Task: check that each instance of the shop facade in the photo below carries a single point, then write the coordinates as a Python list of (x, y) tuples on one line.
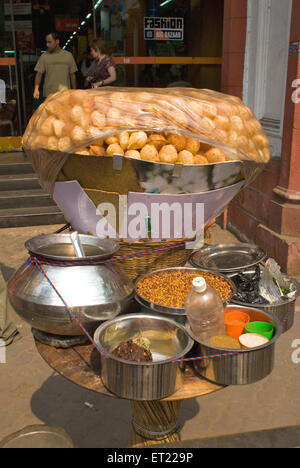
[(261, 66), (183, 45)]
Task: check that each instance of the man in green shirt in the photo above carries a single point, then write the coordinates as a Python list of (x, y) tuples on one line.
[(59, 68)]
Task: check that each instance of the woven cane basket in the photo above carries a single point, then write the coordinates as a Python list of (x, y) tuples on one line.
[(139, 265)]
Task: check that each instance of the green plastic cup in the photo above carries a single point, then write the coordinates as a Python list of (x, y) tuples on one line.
[(266, 329)]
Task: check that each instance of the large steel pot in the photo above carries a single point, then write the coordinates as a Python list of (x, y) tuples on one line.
[(149, 380), (242, 368), (94, 292)]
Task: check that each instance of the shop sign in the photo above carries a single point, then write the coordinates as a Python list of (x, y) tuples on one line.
[(18, 25), (66, 24), (163, 29), (18, 8)]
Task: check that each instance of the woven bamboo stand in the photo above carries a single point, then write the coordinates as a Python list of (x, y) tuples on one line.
[(137, 266), (154, 422)]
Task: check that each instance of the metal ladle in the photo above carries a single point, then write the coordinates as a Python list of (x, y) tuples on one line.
[(77, 245)]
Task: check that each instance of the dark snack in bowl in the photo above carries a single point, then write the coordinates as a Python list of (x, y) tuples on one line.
[(131, 351), (247, 286)]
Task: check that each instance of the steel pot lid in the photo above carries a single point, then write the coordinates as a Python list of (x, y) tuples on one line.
[(59, 247), (228, 257)]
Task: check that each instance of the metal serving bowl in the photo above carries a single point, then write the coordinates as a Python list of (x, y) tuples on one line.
[(243, 368), (151, 177), (173, 311), (143, 381), (227, 258), (283, 311)]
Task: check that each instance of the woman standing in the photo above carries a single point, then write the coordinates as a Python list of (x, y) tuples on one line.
[(104, 72)]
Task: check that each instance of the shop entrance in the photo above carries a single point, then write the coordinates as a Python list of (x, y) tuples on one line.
[(154, 43), (164, 43)]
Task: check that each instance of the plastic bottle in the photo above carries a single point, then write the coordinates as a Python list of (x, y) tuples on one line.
[(205, 311)]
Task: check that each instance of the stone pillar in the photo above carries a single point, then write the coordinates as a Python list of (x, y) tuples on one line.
[(234, 43), (284, 214), (283, 227)]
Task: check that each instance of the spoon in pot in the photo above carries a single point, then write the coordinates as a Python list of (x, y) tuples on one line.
[(77, 245)]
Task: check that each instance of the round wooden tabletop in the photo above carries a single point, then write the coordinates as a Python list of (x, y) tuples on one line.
[(81, 365)]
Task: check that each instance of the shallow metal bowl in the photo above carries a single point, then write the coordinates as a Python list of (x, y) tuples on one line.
[(154, 177), (169, 341), (228, 257), (173, 310), (38, 436), (245, 367)]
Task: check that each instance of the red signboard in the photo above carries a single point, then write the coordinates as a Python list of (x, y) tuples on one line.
[(66, 24)]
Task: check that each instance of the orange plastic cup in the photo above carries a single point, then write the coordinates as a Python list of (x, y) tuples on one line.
[(235, 323)]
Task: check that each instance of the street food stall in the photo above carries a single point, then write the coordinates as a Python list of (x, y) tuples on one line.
[(108, 306)]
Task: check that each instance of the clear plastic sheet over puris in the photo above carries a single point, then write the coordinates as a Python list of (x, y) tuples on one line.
[(169, 126)]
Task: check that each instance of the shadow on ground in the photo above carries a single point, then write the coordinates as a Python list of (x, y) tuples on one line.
[(6, 271), (90, 419)]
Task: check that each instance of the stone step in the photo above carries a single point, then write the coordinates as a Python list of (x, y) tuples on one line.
[(24, 199), (32, 216), (13, 157), (16, 168), (11, 182)]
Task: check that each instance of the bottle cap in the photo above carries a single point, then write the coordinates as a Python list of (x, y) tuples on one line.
[(199, 284)]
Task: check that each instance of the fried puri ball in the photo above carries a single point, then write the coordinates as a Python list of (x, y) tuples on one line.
[(113, 117), (77, 114), (215, 155), (179, 141), (55, 108), (94, 132), (137, 140), (193, 146), (96, 150), (129, 121), (168, 154), (114, 149), (149, 153), (237, 123), (124, 140), (58, 127), (98, 119), (222, 122), (209, 110), (41, 142), (64, 144), (200, 159), (158, 140), (83, 151), (52, 143), (78, 135), (185, 157), (111, 139), (261, 140), (207, 125), (47, 128), (134, 154)]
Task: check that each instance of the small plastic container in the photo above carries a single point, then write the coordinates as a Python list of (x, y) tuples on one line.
[(261, 328), (235, 323), (252, 340), (205, 311)]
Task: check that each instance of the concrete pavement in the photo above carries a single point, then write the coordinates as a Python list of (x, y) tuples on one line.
[(31, 393)]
